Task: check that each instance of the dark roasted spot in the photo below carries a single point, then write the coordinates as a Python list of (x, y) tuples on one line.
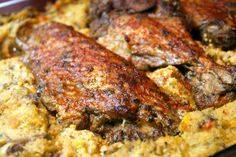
[(66, 55), (121, 77), (53, 113), (109, 91), (89, 68), (126, 63), (139, 17), (91, 95), (63, 33), (118, 136), (144, 107), (64, 64), (231, 6), (15, 148), (134, 82), (136, 101), (40, 90), (47, 70), (165, 32), (171, 44), (121, 109), (78, 64), (82, 41), (126, 37), (37, 63)]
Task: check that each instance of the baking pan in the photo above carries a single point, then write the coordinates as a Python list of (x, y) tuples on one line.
[(228, 152), (10, 6)]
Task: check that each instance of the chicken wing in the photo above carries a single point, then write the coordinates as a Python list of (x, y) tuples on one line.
[(215, 19), (155, 41), (93, 88)]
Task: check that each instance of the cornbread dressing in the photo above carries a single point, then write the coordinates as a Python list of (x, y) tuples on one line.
[(28, 129)]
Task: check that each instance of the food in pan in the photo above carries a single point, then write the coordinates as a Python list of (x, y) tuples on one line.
[(91, 87), (116, 78), (158, 41), (215, 20), (23, 119), (203, 132)]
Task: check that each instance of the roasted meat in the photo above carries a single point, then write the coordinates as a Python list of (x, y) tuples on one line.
[(98, 6), (150, 42), (168, 7), (214, 19), (93, 88), (153, 42)]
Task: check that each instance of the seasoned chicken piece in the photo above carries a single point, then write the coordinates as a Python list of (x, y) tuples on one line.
[(98, 7), (215, 19), (152, 42), (155, 41), (93, 88)]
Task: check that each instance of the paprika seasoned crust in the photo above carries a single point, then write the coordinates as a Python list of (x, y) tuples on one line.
[(154, 41), (214, 19), (93, 88)]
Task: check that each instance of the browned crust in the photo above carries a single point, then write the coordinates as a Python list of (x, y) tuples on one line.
[(80, 78)]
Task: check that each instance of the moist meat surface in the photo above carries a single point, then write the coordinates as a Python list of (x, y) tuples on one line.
[(215, 19), (95, 89), (155, 41)]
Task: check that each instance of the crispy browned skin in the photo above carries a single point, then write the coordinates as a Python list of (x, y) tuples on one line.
[(215, 19), (95, 89), (156, 41)]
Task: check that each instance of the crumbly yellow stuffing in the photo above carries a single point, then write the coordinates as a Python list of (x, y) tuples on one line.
[(23, 120), (76, 143), (219, 56), (70, 12), (172, 82), (117, 44), (203, 134)]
